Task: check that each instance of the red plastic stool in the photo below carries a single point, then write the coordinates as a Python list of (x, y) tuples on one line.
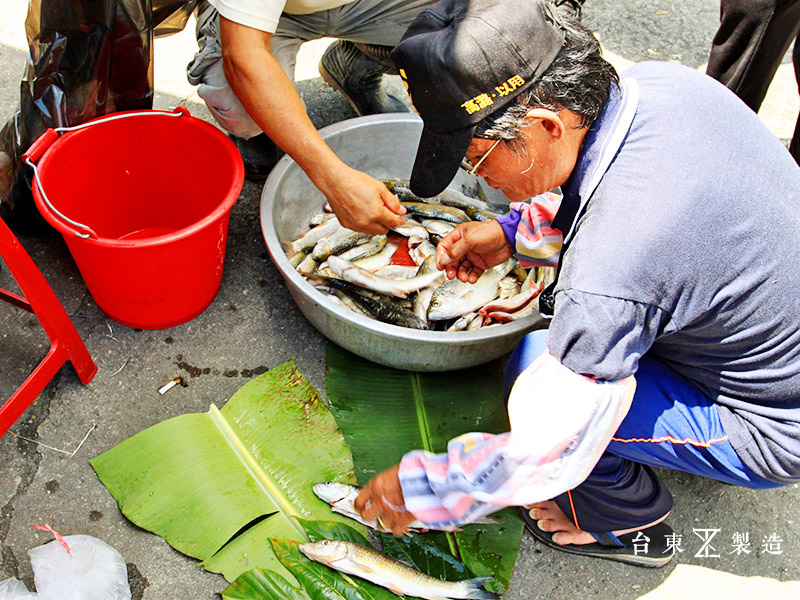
[(65, 343)]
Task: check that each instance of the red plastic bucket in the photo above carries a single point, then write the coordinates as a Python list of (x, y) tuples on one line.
[(143, 201)]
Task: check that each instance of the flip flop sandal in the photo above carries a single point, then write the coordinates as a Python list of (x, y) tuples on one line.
[(654, 552)]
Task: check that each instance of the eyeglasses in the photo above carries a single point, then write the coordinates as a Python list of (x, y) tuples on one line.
[(469, 167)]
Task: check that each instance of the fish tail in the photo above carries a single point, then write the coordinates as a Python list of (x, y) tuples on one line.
[(476, 589)]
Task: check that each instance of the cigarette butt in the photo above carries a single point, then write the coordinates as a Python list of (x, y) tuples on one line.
[(168, 386)]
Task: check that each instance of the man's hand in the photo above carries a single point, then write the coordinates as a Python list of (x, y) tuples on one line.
[(382, 498), (360, 202), (471, 248)]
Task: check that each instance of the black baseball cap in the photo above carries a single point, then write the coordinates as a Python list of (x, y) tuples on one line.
[(462, 60)]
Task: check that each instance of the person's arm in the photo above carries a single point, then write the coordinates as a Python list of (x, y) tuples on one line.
[(561, 423), (360, 202)]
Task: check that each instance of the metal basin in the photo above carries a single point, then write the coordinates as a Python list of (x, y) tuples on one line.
[(383, 146)]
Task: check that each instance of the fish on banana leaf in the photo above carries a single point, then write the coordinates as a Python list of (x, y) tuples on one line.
[(387, 572), (341, 497)]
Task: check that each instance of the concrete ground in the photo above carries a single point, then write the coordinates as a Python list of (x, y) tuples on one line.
[(254, 325)]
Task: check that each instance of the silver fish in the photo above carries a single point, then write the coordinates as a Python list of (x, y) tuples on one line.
[(421, 251), (392, 574), (509, 286), (422, 299), (464, 321), (307, 265), (377, 306), (297, 258), (341, 497), (455, 298), (399, 288), (320, 218), (396, 272), (410, 228), (437, 227), (437, 211), (369, 248), (381, 259), (312, 236), (339, 241)]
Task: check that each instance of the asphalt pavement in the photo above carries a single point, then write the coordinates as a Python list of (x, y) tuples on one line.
[(734, 543)]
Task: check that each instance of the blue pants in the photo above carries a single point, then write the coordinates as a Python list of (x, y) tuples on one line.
[(670, 424)]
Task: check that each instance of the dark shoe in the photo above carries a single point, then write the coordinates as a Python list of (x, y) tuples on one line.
[(573, 6), (259, 155), (653, 552), (359, 77)]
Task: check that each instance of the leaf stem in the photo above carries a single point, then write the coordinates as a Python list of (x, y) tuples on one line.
[(425, 435), (259, 475)]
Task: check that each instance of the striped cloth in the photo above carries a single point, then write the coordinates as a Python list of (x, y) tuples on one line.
[(561, 423), (528, 229)]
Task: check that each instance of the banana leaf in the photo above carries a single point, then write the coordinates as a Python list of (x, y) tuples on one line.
[(215, 486), (323, 583), (385, 412)]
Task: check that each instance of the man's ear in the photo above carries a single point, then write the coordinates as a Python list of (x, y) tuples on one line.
[(549, 120)]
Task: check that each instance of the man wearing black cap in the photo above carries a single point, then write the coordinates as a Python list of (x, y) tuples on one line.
[(673, 340)]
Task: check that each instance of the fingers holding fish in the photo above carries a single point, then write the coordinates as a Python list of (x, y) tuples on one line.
[(382, 500), (477, 244), (362, 203)]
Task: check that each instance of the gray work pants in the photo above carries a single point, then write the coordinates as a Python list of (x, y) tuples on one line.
[(380, 22)]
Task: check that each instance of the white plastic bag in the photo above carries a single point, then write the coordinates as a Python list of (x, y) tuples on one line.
[(12, 589), (93, 571)]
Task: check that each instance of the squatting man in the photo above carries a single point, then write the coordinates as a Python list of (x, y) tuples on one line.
[(673, 340)]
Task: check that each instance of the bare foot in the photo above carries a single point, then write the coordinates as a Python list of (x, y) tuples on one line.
[(549, 517)]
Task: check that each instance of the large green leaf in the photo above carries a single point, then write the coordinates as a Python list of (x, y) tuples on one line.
[(217, 485), (260, 583), (323, 583), (385, 412)]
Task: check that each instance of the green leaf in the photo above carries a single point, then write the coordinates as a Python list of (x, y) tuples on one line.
[(201, 481), (332, 530), (428, 553), (260, 583), (322, 582), (385, 412)]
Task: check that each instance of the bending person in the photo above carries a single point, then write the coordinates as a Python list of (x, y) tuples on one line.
[(673, 340), (245, 70)]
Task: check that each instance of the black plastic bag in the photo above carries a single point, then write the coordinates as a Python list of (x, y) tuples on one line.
[(87, 58)]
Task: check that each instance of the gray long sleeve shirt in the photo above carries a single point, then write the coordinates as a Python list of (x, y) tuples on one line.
[(688, 249)]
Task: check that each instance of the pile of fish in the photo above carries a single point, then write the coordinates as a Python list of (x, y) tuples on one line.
[(393, 278)]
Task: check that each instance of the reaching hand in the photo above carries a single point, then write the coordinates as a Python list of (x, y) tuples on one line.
[(382, 498), (362, 203), (471, 248)]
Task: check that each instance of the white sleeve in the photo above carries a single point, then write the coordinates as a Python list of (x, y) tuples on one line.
[(258, 14), (561, 423)]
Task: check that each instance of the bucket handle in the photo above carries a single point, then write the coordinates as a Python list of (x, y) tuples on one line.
[(40, 146)]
